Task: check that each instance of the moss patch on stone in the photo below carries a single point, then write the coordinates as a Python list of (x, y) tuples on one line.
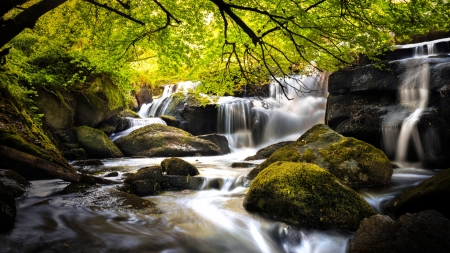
[(96, 143), (352, 161), (432, 193), (307, 195)]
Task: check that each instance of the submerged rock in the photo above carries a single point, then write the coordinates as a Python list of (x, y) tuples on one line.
[(430, 194), (242, 165), (268, 151), (426, 231), (307, 195), (96, 143), (178, 167), (352, 161), (162, 141)]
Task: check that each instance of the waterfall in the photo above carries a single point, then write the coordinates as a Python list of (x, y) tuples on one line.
[(413, 94), (427, 48), (136, 123), (284, 115)]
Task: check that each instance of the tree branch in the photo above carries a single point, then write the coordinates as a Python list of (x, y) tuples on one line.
[(104, 6), (314, 5)]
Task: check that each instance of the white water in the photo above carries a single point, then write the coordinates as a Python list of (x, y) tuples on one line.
[(424, 48), (250, 122), (413, 95), (136, 123)]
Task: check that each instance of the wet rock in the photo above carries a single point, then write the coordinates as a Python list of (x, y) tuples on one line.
[(95, 180), (426, 231), (430, 194), (77, 188), (101, 101), (307, 195), (57, 108), (268, 151), (164, 141), (144, 96), (362, 98), (7, 210), (171, 120), (96, 143), (121, 122), (88, 162), (352, 161), (183, 182), (178, 167), (74, 154), (199, 120), (220, 140), (112, 174), (242, 165), (146, 181), (13, 183)]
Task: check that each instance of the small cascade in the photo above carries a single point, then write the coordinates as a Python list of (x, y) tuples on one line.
[(428, 48), (226, 184), (136, 123), (250, 122), (413, 94)]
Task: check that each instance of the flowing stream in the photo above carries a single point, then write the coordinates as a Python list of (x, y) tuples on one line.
[(211, 219)]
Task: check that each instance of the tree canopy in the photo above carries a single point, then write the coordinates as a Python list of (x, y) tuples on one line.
[(225, 44)]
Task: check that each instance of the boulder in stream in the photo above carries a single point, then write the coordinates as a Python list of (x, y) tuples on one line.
[(426, 231), (268, 151), (146, 181), (220, 140), (305, 194), (96, 143), (352, 161), (178, 167), (430, 194), (164, 141)]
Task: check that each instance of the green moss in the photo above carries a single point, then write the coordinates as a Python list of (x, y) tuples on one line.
[(306, 195), (104, 94), (15, 141), (96, 143), (128, 113)]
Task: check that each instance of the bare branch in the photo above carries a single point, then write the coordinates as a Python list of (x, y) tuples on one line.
[(314, 5), (104, 6)]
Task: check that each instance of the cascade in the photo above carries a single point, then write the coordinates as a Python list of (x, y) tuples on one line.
[(427, 48), (250, 122), (135, 123), (413, 94)]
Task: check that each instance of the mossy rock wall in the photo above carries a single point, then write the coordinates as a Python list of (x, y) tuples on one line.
[(432, 193), (307, 195), (96, 143), (57, 108), (352, 161), (164, 141)]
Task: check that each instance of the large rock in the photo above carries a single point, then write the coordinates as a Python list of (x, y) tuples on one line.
[(146, 181), (7, 210), (178, 167), (307, 195), (364, 99), (164, 141), (268, 151), (352, 161), (101, 101), (96, 143), (13, 183), (430, 194), (426, 231), (57, 108), (220, 140)]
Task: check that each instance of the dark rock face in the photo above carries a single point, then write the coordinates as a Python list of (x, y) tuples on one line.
[(178, 167), (96, 143), (352, 161), (147, 181), (57, 107), (13, 183), (306, 195), (200, 120), (7, 210), (426, 231), (430, 194), (220, 140), (164, 141), (361, 99), (144, 96), (268, 151)]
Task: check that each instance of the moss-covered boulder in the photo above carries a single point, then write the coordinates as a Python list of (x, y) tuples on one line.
[(432, 193), (157, 140), (178, 167), (268, 151), (307, 195), (146, 181), (99, 101), (96, 144), (352, 161), (57, 108), (426, 231)]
